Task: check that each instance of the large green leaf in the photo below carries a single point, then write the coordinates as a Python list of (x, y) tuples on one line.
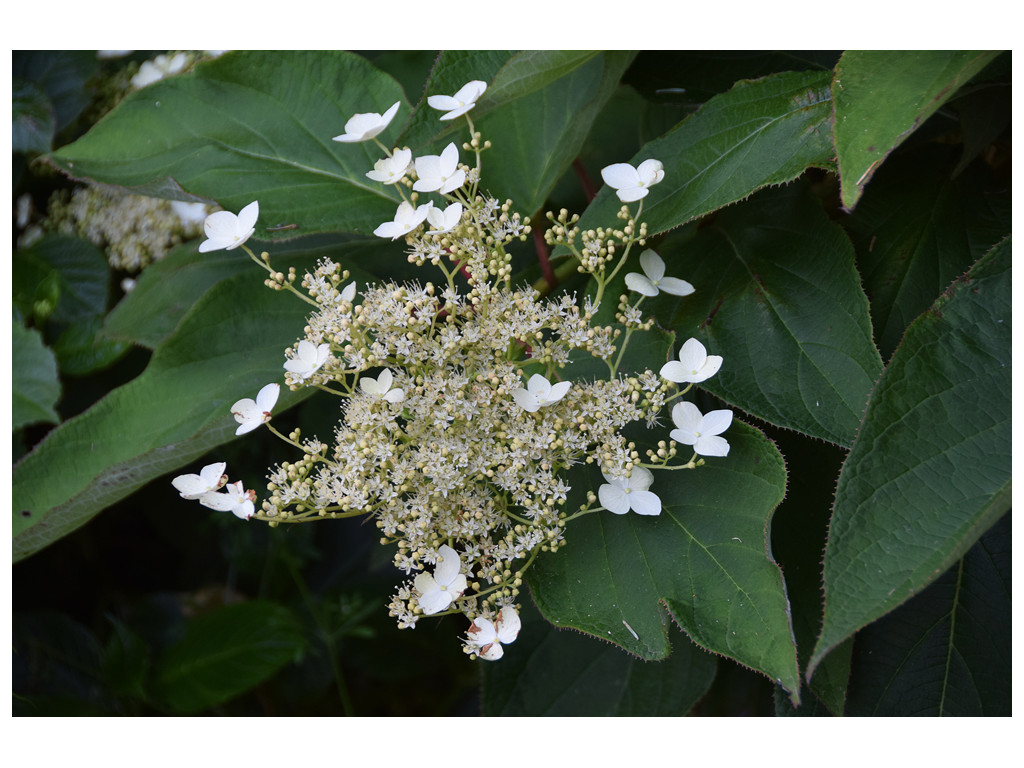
[(35, 388), (778, 296), (881, 97), (251, 126), (930, 469), (706, 559), (80, 271), (561, 673), (917, 229), (947, 651), (760, 133), (230, 344), (226, 653)]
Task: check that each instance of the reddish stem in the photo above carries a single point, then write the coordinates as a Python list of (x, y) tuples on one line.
[(542, 257), (588, 186)]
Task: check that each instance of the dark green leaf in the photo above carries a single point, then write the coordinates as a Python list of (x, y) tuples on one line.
[(760, 133), (705, 558), (561, 673), (64, 76), (35, 388), (916, 230), (224, 654), (251, 126), (947, 651), (33, 120), (778, 296), (881, 97), (81, 349), (930, 471), (82, 274)]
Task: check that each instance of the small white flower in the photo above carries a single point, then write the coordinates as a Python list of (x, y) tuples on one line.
[(630, 183), (539, 392), (406, 220), (437, 592), (158, 69), (308, 359), (694, 365), (363, 126), (189, 214), (348, 292), (391, 170), (446, 220), (225, 230), (440, 173), (461, 102), (235, 500), (210, 478), (489, 636), (381, 387), (622, 494), (701, 431), (653, 280), (251, 413)]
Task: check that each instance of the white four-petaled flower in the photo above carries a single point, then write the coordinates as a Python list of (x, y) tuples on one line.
[(489, 635), (406, 220), (363, 126), (621, 494), (701, 431), (694, 365), (226, 230), (381, 387), (235, 499), (463, 101), (630, 183), (539, 392), (251, 413), (308, 359), (440, 173), (653, 280), (447, 584), (210, 478), (446, 220), (391, 170)]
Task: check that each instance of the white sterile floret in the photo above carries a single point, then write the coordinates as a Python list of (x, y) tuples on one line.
[(406, 220), (348, 292), (235, 499), (653, 280), (539, 392), (701, 431), (621, 494), (381, 387), (630, 183), (440, 173), (489, 635), (226, 230), (308, 359), (391, 170), (159, 68), (694, 365), (447, 584), (463, 101), (251, 413), (363, 126), (210, 478), (446, 220)]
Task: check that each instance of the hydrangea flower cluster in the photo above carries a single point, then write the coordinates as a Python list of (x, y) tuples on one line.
[(458, 416)]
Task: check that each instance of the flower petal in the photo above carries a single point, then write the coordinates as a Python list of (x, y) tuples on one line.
[(652, 264), (716, 422), (613, 498), (645, 502), (620, 175), (448, 565), (687, 416), (674, 371), (247, 216), (675, 286), (711, 445), (637, 282)]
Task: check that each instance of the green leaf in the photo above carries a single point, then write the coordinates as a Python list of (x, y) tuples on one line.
[(225, 653), (930, 469), (64, 76), (35, 388), (82, 275), (81, 349), (560, 673), (916, 230), (778, 296), (251, 126), (947, 652), (230, 344), (761, 132), (33, 123), (881, 97), (705, 559)]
